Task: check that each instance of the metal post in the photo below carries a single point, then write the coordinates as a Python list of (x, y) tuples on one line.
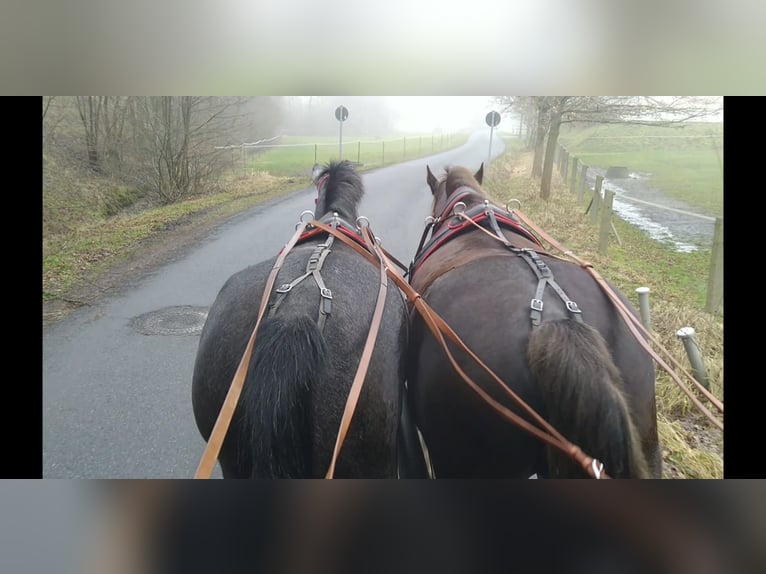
[(686, 334), (359, 152), (315, 153), (643, 305), (340, 142), (491, 135)]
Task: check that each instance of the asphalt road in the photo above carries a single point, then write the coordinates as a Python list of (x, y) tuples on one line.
[(117, 402)]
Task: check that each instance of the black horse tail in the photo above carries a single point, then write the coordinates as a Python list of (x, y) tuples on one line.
[(289, 354), (583, 394)]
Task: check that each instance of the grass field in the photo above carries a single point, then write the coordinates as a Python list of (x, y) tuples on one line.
[(296, 154), (686, 163)]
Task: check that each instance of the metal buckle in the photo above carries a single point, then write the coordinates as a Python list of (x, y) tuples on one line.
[(326, 293), (573, 308), (537, 305), (284, 288)]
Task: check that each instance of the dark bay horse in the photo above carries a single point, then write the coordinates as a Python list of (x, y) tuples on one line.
[(306, 354), (579, 366)]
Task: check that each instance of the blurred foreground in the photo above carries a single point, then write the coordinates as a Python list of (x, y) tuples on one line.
[(165, 527)]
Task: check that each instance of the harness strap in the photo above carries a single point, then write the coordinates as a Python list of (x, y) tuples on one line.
[(214, 443), (369, 346), (640, 332), (545, 277), (538, 266), (439, 328), (313, 269)]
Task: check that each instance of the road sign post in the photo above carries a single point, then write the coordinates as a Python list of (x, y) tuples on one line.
[(341, 114), (492, 119)]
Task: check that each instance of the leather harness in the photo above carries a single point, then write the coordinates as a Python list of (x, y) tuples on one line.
[(314, 266), (455, 220)]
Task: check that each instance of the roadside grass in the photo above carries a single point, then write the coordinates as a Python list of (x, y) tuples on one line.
[(686, 163), (692, 447), (96, 243)]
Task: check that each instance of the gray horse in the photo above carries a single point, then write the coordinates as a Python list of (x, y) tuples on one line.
[(306, 354)]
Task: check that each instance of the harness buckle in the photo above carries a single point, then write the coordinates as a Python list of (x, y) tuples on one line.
[(284, 288), (572, 307), (537, 305), (325, 293)]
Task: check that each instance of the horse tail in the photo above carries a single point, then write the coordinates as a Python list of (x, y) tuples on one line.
[(289, 354), (583, 393)]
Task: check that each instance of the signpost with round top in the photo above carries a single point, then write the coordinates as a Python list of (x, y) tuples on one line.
[(492, 119), (341, 114)]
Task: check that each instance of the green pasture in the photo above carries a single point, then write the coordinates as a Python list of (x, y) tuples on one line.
[(685, 162), (295, 155)]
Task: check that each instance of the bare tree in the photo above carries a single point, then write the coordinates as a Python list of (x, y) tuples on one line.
[(103, 120), (175, 140), (89, 108), (535, 111)]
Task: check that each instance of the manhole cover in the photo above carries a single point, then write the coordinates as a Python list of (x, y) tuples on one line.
[(184, 320)]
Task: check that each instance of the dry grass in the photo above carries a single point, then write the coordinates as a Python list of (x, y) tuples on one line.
[(82, 242), (692, 446)]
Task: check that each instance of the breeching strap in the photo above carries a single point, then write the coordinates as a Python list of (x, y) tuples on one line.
[(439, 328), (369, 347), (637, 328), (214, 443)]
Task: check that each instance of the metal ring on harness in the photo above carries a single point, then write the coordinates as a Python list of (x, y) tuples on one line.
[(429, 220), (508, 209), (458, 208), (300, 219), (359, 221)]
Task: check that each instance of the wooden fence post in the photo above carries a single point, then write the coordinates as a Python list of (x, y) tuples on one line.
[(606, 222), (583, 183), (715, 282), (573, 184), (596, 202)]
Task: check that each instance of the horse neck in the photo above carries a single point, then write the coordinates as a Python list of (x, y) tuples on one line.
[(464, 193)]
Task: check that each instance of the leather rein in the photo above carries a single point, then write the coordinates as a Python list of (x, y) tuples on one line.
[(374, 253)]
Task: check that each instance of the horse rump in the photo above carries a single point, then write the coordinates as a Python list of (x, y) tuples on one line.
[(583, 393), (290, 353)]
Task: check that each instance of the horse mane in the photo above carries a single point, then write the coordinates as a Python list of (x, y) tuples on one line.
[(342, 191)]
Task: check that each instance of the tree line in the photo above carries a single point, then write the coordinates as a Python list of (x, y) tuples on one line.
[(163, 145), (544, 115)]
